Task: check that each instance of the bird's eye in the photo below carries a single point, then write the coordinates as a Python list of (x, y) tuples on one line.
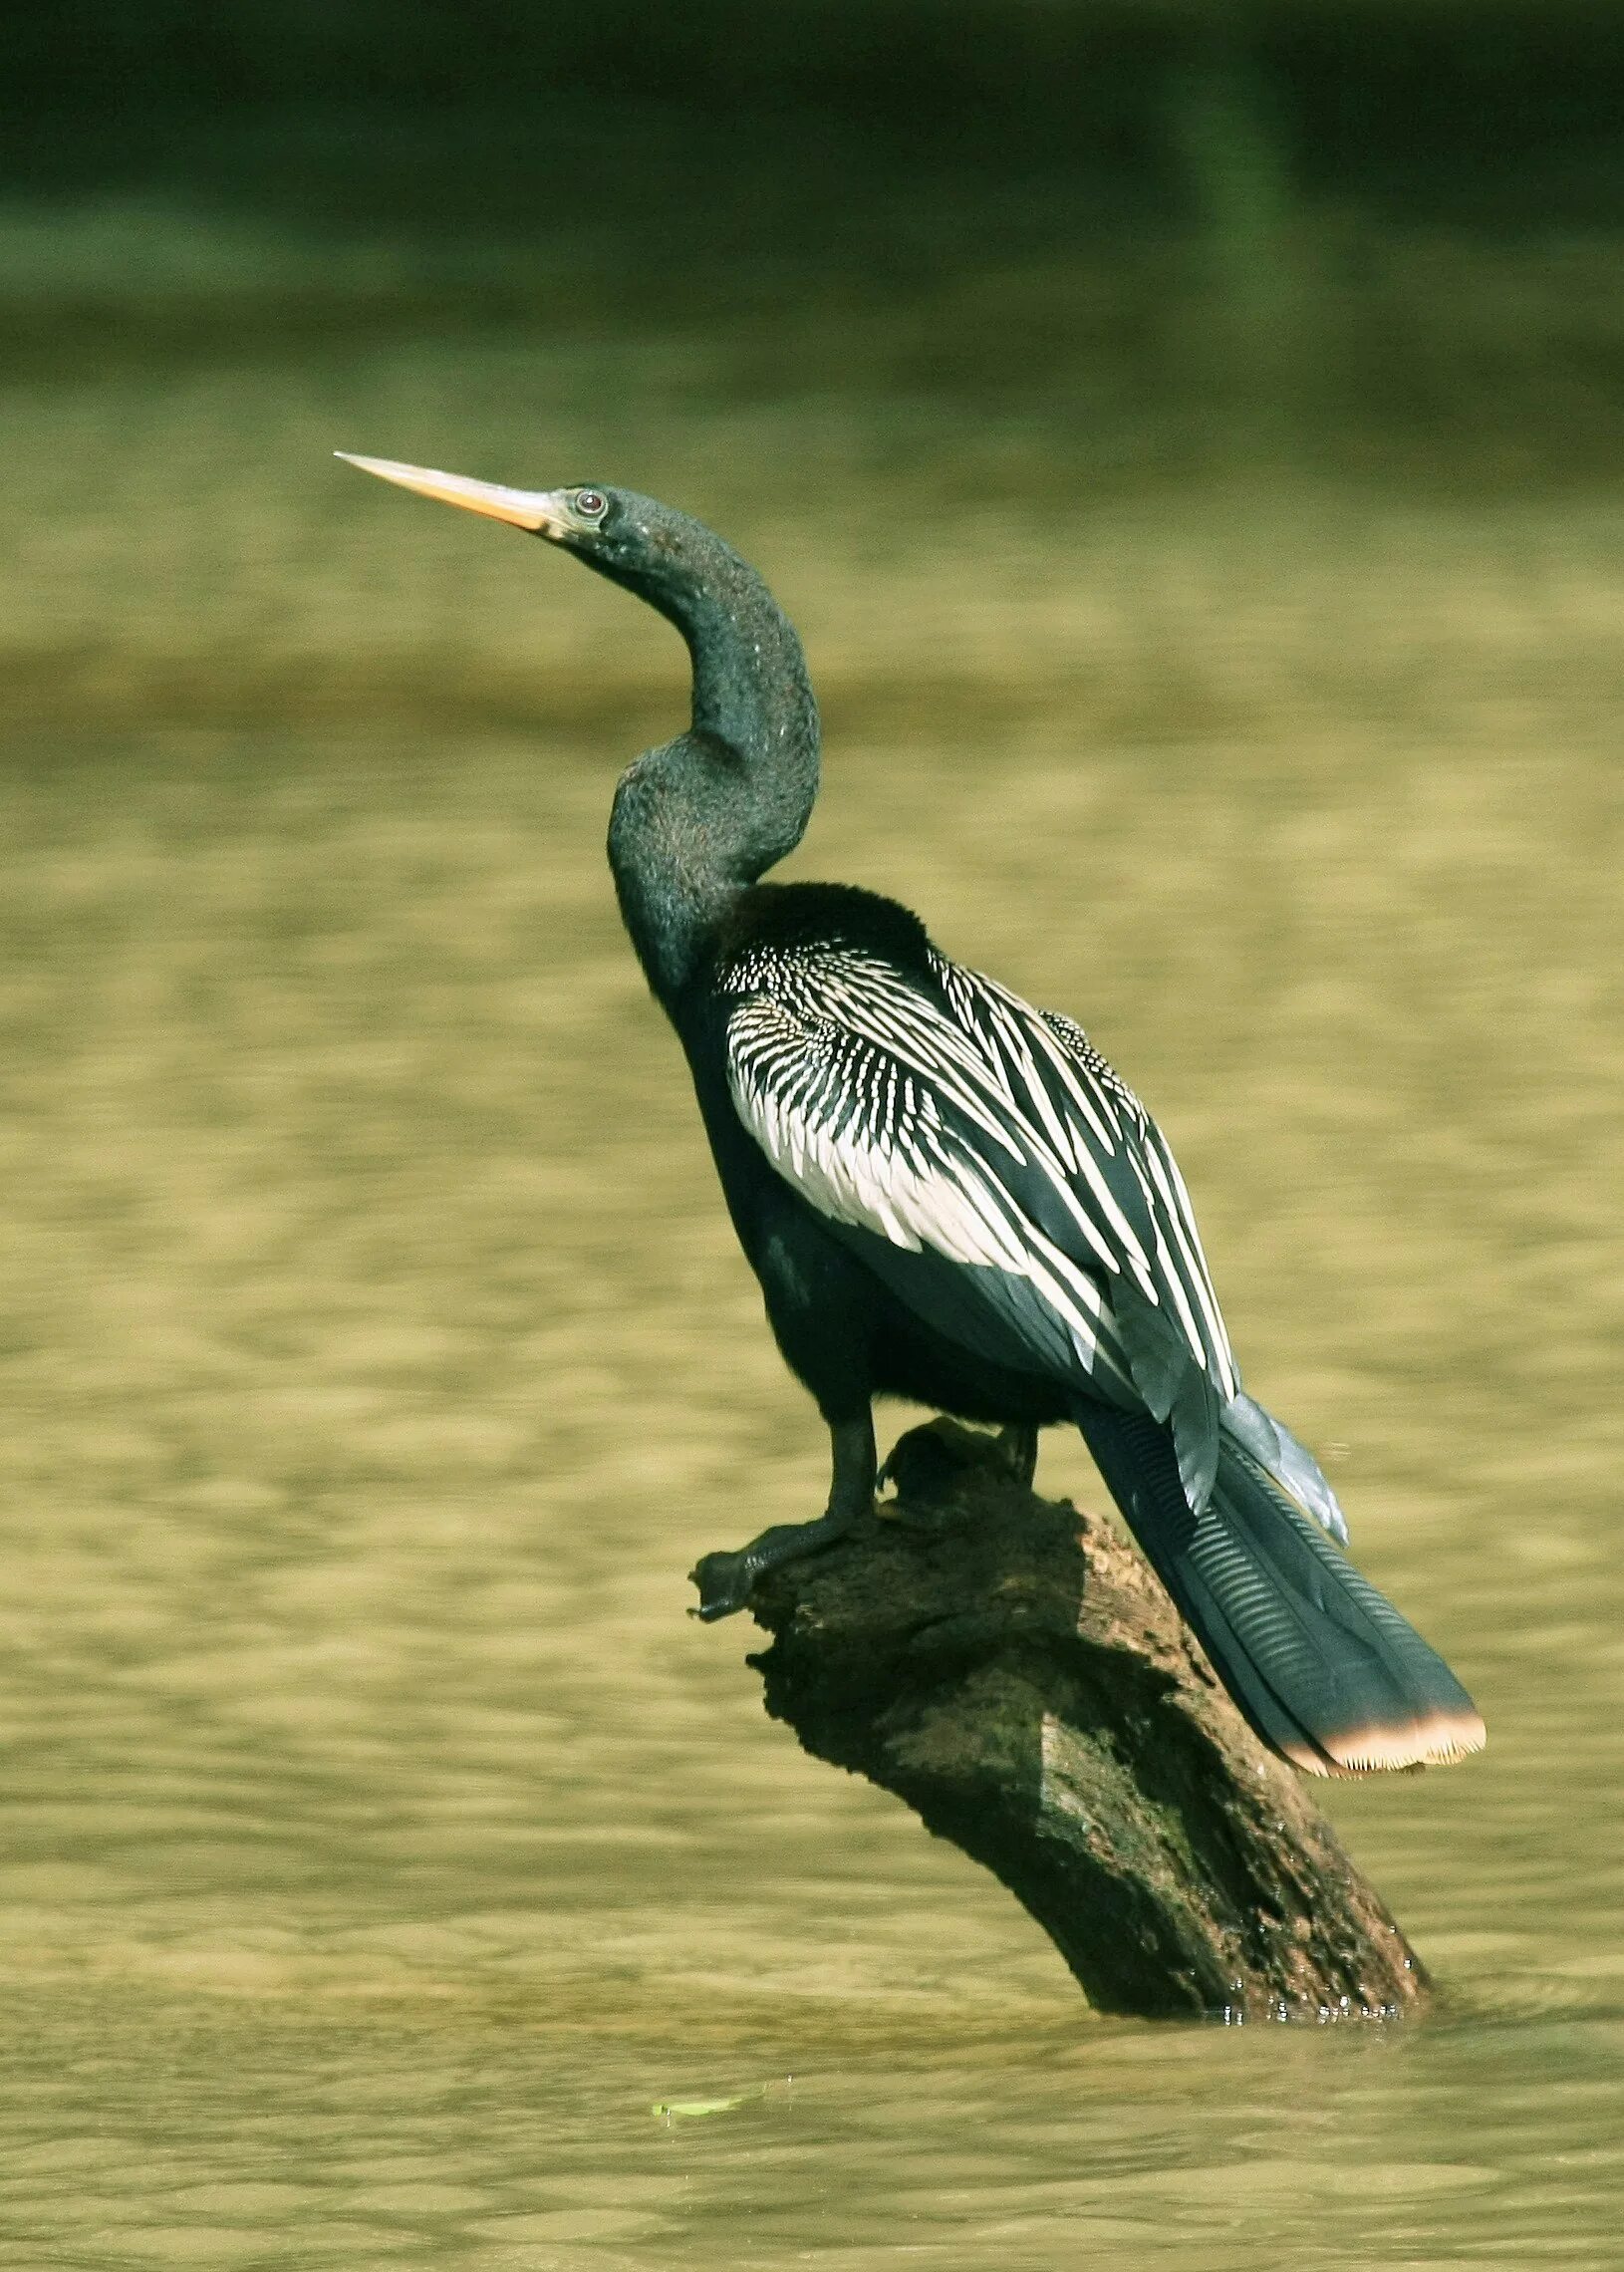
[(591, 504)]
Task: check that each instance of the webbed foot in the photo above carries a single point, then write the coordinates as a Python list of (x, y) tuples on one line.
[(724, 1581)]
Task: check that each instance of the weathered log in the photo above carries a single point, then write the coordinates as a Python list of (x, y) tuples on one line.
[(1012, 1670)]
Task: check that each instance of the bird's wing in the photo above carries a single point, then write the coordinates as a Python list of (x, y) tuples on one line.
[(1181, 1279), (966, 1127)]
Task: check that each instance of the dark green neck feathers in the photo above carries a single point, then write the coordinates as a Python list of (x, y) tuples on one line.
[(697, 821)]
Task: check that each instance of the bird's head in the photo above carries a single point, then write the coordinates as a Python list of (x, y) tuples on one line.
[(629, 538), (715, 809), (750, 688)]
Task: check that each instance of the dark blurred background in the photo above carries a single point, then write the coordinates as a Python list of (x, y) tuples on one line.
[(1379, 221), (987, 260)]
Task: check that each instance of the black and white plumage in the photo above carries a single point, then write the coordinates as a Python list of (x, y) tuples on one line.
[(961, 1124), (968, 1126), (948, 1195)]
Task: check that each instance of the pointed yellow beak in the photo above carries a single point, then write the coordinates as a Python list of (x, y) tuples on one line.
[(545, 512)]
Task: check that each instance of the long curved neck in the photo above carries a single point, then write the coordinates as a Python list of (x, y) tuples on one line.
[(751, 688), (697, 821)]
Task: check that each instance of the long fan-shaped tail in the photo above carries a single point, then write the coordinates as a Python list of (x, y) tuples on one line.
[(1321, 1664)]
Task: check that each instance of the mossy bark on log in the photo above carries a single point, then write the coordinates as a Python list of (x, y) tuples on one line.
[(1014, 1671)]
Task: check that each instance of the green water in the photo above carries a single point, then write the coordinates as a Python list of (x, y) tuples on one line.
[(378, 1840)]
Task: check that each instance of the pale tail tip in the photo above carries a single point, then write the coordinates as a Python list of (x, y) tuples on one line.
[(1433, 1742)]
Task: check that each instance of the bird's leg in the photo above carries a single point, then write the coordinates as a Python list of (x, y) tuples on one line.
[(1018, 1444), (724, 1579)]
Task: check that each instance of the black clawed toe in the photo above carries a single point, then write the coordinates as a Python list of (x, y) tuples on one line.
[(724, 1581)]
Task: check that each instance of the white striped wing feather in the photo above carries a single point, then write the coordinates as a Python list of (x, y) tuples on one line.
[(976, 1128)]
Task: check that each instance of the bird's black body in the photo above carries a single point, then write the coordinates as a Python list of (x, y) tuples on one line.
[(948, 1196)]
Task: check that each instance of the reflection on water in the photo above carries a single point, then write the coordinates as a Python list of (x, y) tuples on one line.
[(381, 1840)]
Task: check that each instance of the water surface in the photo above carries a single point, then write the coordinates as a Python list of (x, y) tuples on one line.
[(382, 1843)]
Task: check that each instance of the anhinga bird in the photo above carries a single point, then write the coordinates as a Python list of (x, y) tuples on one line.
[(948, 1195)]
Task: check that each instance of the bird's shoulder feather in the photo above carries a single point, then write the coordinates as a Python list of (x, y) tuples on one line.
[(770, 922)]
